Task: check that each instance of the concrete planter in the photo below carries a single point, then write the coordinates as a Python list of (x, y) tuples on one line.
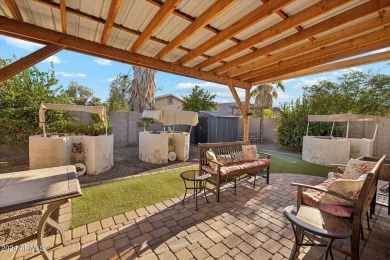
[(98, 152)]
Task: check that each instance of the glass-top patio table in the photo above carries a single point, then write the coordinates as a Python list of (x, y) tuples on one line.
[(51, 187)]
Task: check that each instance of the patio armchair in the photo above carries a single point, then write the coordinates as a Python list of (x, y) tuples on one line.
[(344, 195)]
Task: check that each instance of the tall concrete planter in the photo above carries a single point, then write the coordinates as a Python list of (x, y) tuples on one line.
[(97, 155)]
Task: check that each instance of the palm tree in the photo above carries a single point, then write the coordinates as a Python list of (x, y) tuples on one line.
[(142, 89), (264, 95)]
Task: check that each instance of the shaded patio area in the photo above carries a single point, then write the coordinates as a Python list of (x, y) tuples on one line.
[(249, 225)]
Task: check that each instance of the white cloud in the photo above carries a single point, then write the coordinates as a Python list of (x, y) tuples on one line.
[(283, 95), (308, 82), (30, 46), (67, 75), (103, 62), (53, 59), (352, 69), (287, 80)]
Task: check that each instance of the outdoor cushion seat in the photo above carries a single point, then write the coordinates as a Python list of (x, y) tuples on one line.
[(237, 167)]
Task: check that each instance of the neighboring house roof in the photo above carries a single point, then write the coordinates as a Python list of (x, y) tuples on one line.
[(168, 95), (216, 114)]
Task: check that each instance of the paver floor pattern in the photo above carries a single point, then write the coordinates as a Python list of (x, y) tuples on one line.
[(249, 225)]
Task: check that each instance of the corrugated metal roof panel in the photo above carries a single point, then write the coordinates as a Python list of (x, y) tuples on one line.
[(220, 47), (297, 6), (175, 55), (44, 16), (198, 39), (235, 56), (195, 61), (337, 11), (276, 38), (212, 66), (81, 27), (171, 27), (4, 11), (195, 8), (120, 39), (136, 14), (235, 13), (151, 48), (261, 26)]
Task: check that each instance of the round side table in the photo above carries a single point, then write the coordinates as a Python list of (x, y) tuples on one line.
[(199, 183)]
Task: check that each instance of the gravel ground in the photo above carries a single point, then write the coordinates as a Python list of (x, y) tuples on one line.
[(126, 163)]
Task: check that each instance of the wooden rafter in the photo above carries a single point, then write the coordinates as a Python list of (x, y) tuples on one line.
[(114, 8), (373, 58), (323, 52), (195, 26), (157, 20), (332, 38), (29, 60), (102, 21), (34, 33), (63, 15), (246, 116), (237, 99), (311, 12), (14, 9), (250, 19), (324, 26), (330, 58)]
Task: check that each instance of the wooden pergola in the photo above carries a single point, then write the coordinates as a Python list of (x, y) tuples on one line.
[(238, 43)]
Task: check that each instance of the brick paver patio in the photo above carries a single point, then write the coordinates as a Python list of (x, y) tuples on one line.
[(249, 225)]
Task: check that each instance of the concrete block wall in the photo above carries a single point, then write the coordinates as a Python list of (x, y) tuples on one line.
[(269, 125)]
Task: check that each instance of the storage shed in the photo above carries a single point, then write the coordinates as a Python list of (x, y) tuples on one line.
[(215, 127)]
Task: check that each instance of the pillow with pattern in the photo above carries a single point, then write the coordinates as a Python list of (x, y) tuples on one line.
[(225, 159), (236, 157), (355, 168), (249, 152), (210, 155)]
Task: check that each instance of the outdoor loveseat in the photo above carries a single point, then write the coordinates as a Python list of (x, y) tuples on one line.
[(228, 161), (345, 195)]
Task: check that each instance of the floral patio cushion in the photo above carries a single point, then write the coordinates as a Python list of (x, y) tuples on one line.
[(225, 159), (355, 168), (249, 152), (225, 170)]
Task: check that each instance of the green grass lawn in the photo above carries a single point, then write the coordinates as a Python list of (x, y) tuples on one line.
[(109, 199)]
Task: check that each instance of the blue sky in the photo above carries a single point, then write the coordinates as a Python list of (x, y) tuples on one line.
[(97, 73)]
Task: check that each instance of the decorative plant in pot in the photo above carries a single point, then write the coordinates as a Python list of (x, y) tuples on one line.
[(145, 123)]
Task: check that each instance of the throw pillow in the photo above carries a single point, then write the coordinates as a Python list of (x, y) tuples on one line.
[(355, 168), (236, 157), (225, 159), (349, 188), (249, 152), (210, 155)]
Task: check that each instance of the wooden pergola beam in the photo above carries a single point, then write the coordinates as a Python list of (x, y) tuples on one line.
[(246, 117), (373, 58), (63, 15), (102, 21), (330, 58), (14, 9), (324, 26), (311, 12), (330, 38), (157, 20), (197, 25), (29, 60), (318, 54), (112, 12), (253, 17), (34, 33)]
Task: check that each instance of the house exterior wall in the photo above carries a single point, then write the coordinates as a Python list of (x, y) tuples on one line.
[(163, 103)]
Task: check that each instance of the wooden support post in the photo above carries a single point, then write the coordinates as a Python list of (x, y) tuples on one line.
[(242, 109), (246, 117), (29, 60)]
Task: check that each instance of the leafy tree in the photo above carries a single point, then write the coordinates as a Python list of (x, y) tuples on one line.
[(357, 92), (119, 96), (199, 100), (79, 94), (20, 97), (142, 90), (95, 101)]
